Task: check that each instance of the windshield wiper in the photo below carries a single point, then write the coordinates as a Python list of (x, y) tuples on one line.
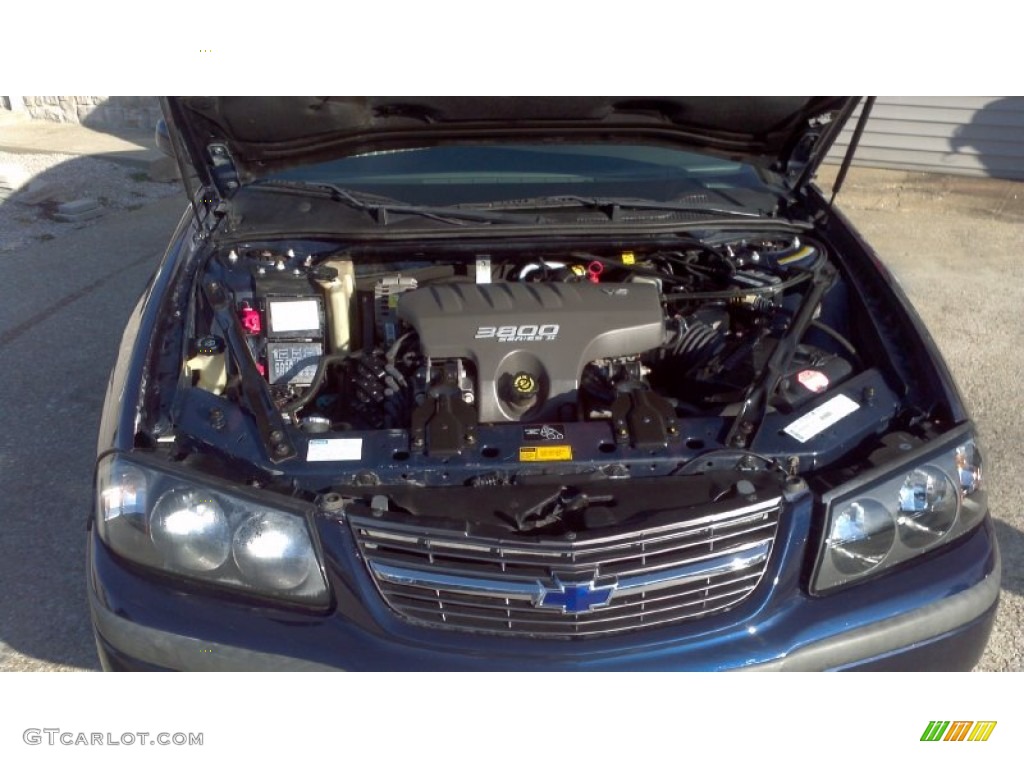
[(613, 205), (381, 208)]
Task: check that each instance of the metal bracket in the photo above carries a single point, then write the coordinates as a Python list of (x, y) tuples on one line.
[(644, 419), (443, 425)]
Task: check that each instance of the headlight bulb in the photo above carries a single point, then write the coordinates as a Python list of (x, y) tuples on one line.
[(273, 551), (191, 530), (862, 535), (927, 506)]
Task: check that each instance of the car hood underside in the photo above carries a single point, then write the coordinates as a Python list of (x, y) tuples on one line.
[(266, 135)]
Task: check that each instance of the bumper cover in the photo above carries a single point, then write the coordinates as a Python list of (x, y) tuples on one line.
[(943, 634)]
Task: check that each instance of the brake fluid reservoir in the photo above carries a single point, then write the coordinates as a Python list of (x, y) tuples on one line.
[(338, 294)]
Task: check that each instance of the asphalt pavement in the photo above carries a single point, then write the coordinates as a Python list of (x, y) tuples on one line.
[(63, 305), (955, 244)]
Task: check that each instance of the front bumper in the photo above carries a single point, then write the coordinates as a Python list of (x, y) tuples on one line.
[(933, 614)]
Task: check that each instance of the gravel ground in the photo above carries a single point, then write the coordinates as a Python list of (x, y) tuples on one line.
[(115, 186)]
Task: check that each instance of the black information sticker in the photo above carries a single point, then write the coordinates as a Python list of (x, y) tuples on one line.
[(537, 432), (293, 363)]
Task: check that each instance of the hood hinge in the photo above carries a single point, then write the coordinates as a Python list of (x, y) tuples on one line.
[(225, 176)]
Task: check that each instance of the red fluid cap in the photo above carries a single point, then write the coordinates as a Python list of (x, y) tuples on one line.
[(251, 321), (594, 270)]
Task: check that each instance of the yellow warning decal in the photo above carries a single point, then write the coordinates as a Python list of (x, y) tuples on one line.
[(546, 453), (628, 257)]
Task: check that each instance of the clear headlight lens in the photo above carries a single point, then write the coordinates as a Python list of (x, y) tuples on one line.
[(124, 495), (968, 468), (927, 507), (273, 552), (914, 508), (201, 531), (863, 534), (190, 529)]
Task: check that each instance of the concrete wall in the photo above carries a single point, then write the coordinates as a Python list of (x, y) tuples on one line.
[(96, 111)]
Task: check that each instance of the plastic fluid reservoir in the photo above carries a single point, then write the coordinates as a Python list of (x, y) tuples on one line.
[(338, 294)]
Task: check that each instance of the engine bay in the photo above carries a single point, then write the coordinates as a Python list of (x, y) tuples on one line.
[(446, 358)]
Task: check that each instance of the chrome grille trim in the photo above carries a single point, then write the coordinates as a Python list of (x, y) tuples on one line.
[(463, 585), (700, 565), (534, 591)]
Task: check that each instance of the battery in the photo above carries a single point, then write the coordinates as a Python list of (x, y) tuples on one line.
[(293, 326)]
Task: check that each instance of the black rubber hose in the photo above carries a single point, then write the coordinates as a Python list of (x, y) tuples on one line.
[(838, 338), (318, 380), (734, 292)]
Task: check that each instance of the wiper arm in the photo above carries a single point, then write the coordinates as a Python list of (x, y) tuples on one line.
[(619, 203), (380, 208), (612, 205)]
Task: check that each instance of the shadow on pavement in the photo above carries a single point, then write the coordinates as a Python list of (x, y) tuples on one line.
[(1011, 547)]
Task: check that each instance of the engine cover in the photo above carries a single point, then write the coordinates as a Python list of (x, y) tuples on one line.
[(529, 342)]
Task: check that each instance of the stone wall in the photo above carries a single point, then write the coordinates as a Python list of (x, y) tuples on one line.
[(96, 111)]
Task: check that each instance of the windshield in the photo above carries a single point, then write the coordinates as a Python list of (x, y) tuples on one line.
[(452, 175)]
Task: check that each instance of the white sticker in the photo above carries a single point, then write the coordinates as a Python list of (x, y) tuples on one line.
[(483, 270), (338, 449), (821, 418), (287, 316)]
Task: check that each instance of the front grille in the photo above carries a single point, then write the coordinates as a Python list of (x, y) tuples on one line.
[(564, 588)]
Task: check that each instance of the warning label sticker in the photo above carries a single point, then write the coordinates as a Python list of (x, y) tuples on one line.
[(546, 453), (821, 418), (534, 432)]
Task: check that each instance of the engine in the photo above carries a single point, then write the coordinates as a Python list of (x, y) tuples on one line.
[(528, 343), (366, 341)]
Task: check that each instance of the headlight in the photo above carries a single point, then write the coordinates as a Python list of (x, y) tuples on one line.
[(862, 535), (273, 552), (190, 529), (176, 522), (927, 506), (912, 508)]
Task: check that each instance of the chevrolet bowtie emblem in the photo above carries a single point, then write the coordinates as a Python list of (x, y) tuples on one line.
[(576, 597)]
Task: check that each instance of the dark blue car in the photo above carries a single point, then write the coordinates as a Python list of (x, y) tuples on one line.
[(529, 383)]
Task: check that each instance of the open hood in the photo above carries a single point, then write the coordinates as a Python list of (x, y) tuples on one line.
[(233, 140)]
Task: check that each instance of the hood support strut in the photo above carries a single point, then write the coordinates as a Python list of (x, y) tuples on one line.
[(862, 121), (200, 212)]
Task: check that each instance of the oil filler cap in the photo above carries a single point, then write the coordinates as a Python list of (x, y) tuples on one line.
[(524, 387)]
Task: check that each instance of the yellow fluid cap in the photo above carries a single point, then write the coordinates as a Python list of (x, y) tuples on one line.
[(525, 384)]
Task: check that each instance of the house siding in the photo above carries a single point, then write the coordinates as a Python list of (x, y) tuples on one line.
[(969, 135)]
